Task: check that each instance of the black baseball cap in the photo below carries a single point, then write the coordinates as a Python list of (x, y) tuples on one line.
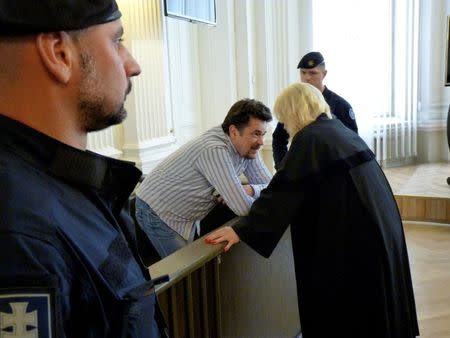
[(311, 60), (35, 16)]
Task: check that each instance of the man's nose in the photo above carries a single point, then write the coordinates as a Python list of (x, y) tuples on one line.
[(132, 68), (260, 140)]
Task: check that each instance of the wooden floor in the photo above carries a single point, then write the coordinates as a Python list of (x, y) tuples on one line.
[(422, 192), (429, 255), (427, 180)]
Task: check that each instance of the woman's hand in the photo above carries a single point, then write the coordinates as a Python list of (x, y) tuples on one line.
[(225, 234)]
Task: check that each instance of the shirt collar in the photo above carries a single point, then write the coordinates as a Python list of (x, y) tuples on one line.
[(70, 164), (226, 138), (322, 116)]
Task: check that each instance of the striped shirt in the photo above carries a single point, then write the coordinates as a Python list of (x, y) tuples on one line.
[(180, 188)]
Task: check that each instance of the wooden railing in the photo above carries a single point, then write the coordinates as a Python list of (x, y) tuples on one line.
[(190, 300)]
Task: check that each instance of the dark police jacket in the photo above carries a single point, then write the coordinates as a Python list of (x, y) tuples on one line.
[(69, 265), (339, 107), (351, 261)]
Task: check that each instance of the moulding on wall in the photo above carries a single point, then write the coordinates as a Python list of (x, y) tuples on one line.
[(148, 154), (432, 145), (108, 151), (432, 125)]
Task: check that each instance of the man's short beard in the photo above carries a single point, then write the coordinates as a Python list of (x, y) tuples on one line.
[(94, 119), (95, 113)]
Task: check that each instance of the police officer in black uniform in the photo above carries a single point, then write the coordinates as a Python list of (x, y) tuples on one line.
[(313, 71), (69, 263)]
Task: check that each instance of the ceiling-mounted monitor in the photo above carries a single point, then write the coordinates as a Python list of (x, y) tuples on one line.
[(202, 11), (447, 59)]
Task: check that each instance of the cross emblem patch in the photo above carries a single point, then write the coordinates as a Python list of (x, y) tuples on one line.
[(25, 316)]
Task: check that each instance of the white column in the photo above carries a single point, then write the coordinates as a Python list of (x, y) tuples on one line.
[(279, 41), (147, 132), (434, 97), (104, 142), (252, 52)]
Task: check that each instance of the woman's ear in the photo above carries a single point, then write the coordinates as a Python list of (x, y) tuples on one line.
[(57, 52)]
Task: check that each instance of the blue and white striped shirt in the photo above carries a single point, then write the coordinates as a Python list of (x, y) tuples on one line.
[(180, 188)]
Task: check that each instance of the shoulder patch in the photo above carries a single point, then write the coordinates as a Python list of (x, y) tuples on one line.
[(351, 113), (27, 312)]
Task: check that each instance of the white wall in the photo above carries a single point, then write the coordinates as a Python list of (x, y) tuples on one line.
[(199, 71), (251, 52), (434, 97)]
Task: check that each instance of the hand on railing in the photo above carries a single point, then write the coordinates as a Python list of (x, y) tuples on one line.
[(225, 234), (184, 261)]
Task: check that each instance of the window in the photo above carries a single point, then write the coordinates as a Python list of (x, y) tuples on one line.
[(370, 49)]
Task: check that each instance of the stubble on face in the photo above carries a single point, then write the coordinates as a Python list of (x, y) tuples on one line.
[(251, 144), (252, 153), (96, 113)]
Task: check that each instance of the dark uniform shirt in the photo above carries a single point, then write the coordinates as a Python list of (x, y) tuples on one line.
[(69, 265), (339, 107)]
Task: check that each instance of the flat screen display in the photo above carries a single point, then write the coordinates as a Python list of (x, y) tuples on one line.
[(202, 11), (447, 60)]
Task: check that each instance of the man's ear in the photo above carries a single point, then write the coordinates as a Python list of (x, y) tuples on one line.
[(56, 50), (325, 72), (232, 130)]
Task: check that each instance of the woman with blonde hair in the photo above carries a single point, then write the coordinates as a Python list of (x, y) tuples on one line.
[(299, 105), (351, 261)]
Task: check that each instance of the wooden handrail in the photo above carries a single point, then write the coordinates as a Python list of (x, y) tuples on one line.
[(186, 260)]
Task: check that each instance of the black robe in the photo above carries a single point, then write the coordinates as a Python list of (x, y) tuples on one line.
[(351, 262)]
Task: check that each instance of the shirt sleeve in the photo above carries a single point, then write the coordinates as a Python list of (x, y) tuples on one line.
[(280, 140), (352, 121), (275, 209), (258, 175), (345, 113), (271, 213), (217, 167), (33, 272), (42, 273)]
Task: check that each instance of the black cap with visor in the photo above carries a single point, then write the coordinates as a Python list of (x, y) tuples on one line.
[(311, 60), (18, 17)]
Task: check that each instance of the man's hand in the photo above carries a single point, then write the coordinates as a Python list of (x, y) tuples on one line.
[(225, 234), (249, 189), (220, 200)]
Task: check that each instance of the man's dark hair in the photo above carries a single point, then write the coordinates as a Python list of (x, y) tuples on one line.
[(240, 113)]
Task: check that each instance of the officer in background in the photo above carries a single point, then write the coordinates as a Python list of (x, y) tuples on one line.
[(69, 265), (313, 71)]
